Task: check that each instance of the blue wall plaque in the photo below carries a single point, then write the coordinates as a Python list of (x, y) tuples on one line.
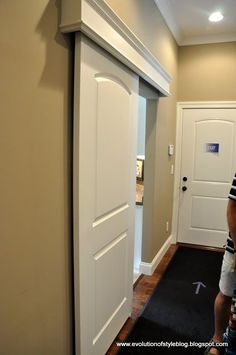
[(212, 147)]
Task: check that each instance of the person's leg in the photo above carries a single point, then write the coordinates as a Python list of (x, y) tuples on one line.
[(223, 299), (222, 312)]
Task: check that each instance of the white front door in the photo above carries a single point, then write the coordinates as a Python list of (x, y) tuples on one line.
[(208, 165), (106, 104)]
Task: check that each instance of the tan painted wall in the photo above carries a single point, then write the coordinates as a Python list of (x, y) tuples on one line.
[(35, 297), (145, 20), (35, 179), (207, 72)]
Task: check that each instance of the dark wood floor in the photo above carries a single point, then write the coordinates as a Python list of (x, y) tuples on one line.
[(142, 291)]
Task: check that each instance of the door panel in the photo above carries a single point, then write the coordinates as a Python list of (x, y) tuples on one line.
[(113, 100), (208, 163), (114, 290), (106, 103), (207, 213), (213, 166)]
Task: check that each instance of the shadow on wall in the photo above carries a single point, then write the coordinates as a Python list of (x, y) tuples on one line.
[(57, 75), (48, 28)]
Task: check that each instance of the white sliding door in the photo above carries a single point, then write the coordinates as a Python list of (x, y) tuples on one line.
[(105, 104)]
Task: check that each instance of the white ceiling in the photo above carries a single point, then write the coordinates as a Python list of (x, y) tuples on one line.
[(188, 20)]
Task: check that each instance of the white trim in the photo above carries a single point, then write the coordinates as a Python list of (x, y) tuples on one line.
[(99, 22), (181, 106), (206, 104), (177, 179), (149, 268), (218, 38)]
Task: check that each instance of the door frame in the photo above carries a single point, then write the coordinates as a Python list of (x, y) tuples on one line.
[(181, 106)]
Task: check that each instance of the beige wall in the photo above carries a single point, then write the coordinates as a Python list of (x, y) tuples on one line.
[(145, 20), (207, 72), (35, 297), (35, 179)]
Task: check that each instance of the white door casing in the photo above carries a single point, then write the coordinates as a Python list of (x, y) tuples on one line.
[(202, 207), (106, 104)]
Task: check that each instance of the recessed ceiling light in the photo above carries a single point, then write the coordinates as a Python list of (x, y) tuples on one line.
[(216, 16)]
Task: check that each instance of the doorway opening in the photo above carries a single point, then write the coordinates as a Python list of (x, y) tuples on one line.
[(145, 174), (141, 130)]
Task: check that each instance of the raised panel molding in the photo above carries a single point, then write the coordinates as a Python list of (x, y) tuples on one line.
[(99, 22)]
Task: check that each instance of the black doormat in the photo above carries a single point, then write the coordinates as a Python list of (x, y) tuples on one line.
[(179, 316)]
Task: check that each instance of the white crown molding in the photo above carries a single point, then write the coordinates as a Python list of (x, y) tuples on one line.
[(219, 38), (98, 21)]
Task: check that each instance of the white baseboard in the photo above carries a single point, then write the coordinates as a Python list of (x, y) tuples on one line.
[(149, 268)]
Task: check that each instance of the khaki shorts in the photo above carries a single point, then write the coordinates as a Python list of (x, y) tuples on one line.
[(228, 274)]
